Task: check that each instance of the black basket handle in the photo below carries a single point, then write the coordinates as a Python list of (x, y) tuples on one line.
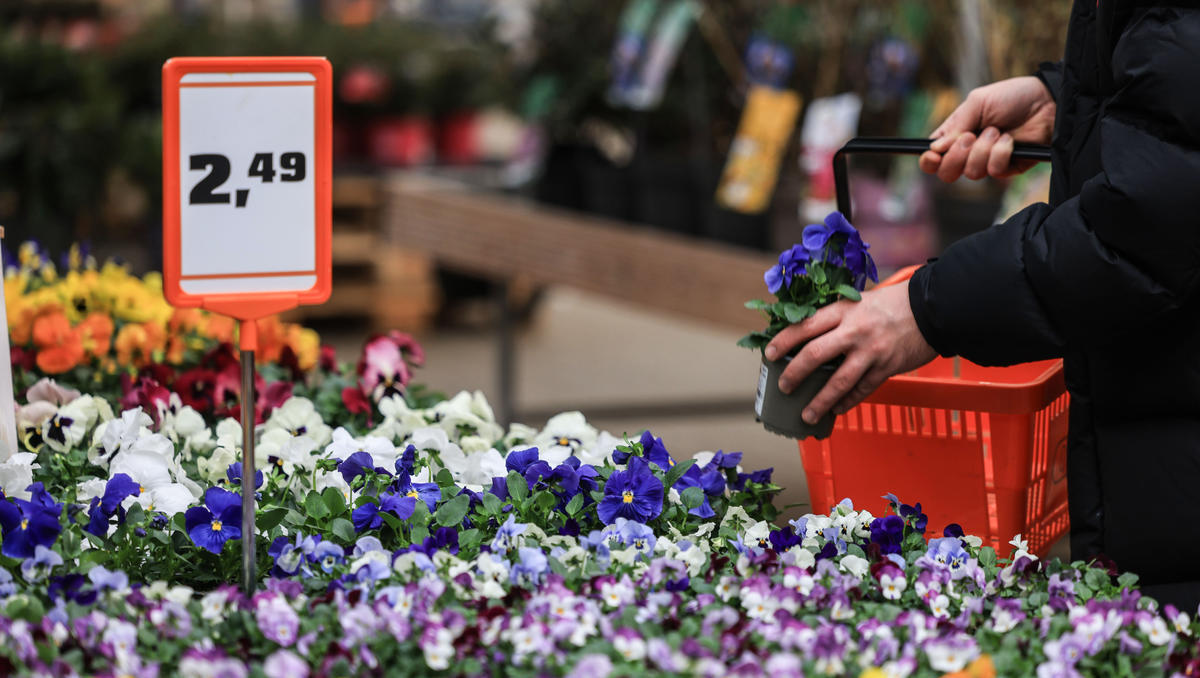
[(841, 180)]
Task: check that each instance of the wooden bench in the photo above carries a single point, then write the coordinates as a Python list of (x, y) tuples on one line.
[(503, 238)]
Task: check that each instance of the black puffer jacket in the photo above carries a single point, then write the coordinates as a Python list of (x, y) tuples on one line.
[(1106, 276)]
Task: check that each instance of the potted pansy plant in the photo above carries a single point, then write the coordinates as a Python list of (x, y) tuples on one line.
[(830, 263)]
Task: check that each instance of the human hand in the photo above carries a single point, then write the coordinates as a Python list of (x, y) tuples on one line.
[(878, 336), (977, 139)]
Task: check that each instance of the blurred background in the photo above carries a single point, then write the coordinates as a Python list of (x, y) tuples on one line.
[(565, 200)]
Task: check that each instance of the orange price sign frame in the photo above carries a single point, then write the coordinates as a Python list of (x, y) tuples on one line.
[(247, 205), (233, 224)]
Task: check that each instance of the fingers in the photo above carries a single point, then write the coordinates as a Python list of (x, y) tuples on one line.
[(814, 354), (845, 380), (929, 162), (979, 156), (792, 336), (872, 380), (953, 161), (1000, 162)]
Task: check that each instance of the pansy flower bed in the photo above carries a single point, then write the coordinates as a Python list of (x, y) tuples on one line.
[(403, 535)]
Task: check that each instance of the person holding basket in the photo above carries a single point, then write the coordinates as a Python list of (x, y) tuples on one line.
[(1105, 276)]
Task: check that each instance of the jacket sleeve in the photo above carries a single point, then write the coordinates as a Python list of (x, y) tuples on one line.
[(1050, 73), (1123, 252)]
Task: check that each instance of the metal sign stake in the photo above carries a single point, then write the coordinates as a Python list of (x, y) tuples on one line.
[(248, 342)]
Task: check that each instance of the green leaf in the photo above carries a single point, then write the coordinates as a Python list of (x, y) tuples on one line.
[(849, 292), (987, 556), (1127, 580), (1096, 579), (754, 340), (545, 500), (393, 522), (757, 305), (574, 506), (315, 506), (518, 489), (855, 550), (419, 534), (136, 514), (795, 312), (676, 472), (269, 519), (452, 512), (692, 497), (491, 503), (444, 478), (293, 518), (816, 273), (343, 529), (334, 500)]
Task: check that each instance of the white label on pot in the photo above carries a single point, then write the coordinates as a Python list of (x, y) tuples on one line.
[(762, 389)]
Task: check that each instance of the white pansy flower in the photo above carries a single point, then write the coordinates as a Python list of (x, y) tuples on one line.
[(473, 444), (48, 390), (800, 557), (185, 425), (429, 438), (519, 435), (30, 419), (467, 414), (213, 467), (70, 424), (855, 565), (601, 450), (564, 435), (299, 418), (473, 470), (279, 448), (113, 435), (327, 479), (16, 475), (399, 420), (148, 462), (758, 534), (89, 489), (229, 433), (383, 453)]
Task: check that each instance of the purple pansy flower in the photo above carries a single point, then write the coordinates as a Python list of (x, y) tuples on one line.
[(218, 521), (429, 493), (634, 494), (369, 515), (29, 523)]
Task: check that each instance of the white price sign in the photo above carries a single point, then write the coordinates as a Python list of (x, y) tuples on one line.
[(246, 183)]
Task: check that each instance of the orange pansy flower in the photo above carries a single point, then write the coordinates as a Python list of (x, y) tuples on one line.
[(59, 345), (96, 331)]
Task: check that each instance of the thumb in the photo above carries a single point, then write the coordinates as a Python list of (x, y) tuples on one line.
[(965, 118)]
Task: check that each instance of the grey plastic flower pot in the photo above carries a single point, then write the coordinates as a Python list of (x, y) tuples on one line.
[(779, 412)]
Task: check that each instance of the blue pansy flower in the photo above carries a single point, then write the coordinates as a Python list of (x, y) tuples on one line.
[(70, 587), (358, 464), (725, 460), (215, 523), (506, 535), (634, 494), (407, 461), (792, 262), (694, 477), (327, 555), (29, 523), (43, 561), (761, 476), (108, 580), (531, 566), (368, 516), (429, 493), (911, 514), (289, 556), (947, 551), (784, 539), (519, 460), (888, 533), (596, 541), (102, 508), (234, 473), (637, 535), (7, 587)]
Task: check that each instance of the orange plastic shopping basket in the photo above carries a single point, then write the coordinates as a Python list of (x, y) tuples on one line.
[(984, 447)]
